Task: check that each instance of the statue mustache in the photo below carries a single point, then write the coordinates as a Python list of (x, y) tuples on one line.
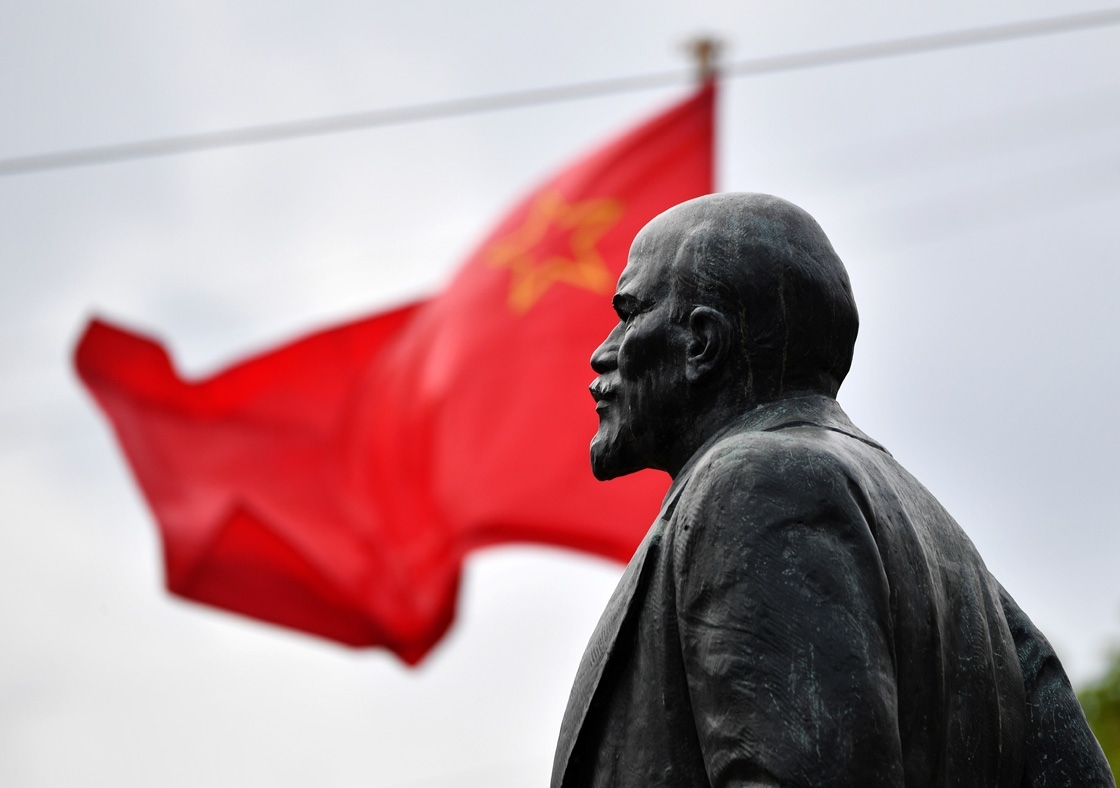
[(601, 390)]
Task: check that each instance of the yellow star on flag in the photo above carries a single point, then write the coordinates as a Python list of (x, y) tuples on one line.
[(556, 244)]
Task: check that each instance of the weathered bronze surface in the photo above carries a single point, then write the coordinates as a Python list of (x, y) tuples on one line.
[(802, 612)]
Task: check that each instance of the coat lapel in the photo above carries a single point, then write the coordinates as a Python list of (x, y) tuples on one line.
[(603, 639)]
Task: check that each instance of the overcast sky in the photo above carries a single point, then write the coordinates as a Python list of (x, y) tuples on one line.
[(972, 193)]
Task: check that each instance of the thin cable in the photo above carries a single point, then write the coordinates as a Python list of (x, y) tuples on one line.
[(334, 124), (927, 43)]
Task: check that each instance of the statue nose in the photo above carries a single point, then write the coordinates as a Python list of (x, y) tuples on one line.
[(605, 357)]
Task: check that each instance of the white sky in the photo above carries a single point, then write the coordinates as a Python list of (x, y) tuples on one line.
[(972, 193)]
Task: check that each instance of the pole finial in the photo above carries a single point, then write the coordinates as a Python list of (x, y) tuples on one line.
[(706, 51)]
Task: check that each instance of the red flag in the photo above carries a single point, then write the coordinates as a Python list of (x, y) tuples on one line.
[(334, 485)]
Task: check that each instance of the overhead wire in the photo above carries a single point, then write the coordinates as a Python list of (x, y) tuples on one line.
[(335, 124)]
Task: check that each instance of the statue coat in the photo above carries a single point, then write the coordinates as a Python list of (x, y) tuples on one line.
[(804, 613)]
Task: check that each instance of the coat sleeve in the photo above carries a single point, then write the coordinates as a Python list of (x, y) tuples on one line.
[(1060, 748), (784, 622)]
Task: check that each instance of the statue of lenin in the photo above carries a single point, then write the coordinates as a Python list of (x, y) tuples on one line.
[(802, 613)]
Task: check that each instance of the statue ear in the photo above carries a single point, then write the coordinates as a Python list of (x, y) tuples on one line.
[(709, 342)]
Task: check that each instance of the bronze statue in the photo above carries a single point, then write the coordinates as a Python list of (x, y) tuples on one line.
[(802, 612)]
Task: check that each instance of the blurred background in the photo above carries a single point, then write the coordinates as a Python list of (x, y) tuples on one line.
[(972, 192)]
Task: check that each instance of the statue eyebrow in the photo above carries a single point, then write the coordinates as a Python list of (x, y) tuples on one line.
[(626, 304)]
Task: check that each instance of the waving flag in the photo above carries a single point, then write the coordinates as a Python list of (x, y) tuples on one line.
[(334, 485)]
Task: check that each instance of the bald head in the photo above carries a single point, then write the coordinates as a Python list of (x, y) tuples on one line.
[(768, 267)]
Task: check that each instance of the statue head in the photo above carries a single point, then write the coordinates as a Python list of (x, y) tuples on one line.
[(726, 302)]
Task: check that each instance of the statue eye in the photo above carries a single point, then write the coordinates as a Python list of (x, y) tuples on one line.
[(627, 309)]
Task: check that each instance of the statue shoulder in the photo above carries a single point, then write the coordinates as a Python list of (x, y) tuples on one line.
[(765, 490)]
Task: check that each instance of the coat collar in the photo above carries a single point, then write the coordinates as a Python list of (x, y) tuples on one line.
[(808, 410), (815, 410)]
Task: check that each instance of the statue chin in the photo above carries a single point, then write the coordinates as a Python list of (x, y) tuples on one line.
[(601, 461), (610, 459)]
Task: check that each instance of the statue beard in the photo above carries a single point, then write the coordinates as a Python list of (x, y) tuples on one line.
[(637, 427)]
